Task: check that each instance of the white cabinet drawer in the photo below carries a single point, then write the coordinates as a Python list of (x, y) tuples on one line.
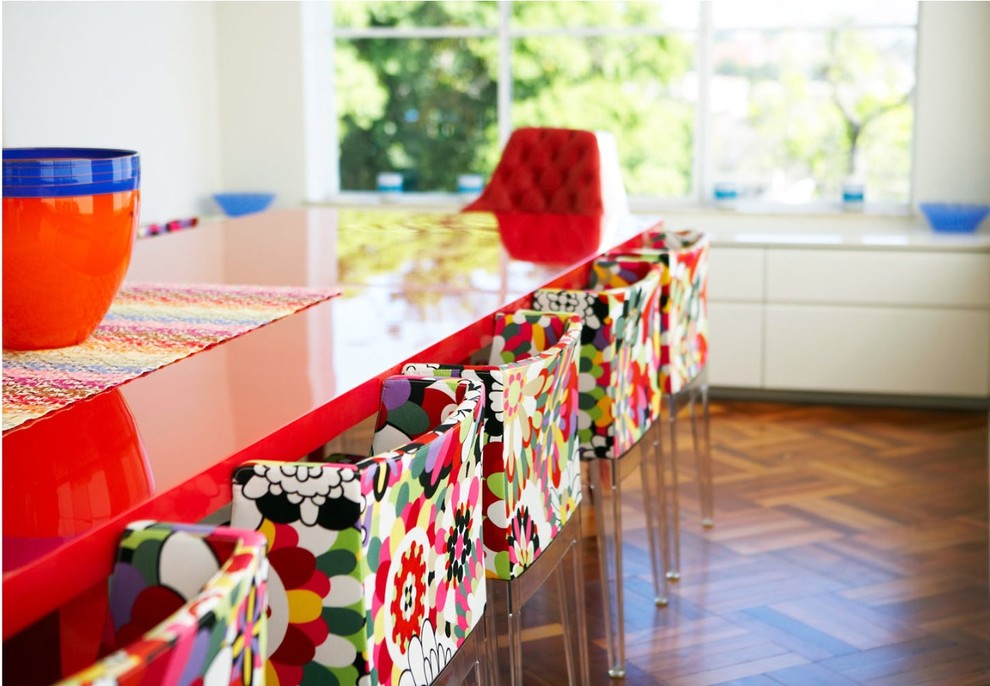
[(735, 350), (901, 278), (878, 350), (735, 274)]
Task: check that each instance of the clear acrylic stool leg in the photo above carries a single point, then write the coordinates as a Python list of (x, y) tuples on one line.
[(608, 527), (674, 569), (505, 622), (570, 584), (703, 457), (655, 508), (469, 665)]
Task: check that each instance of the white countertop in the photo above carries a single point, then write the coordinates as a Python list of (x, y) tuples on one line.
[(839, 231)]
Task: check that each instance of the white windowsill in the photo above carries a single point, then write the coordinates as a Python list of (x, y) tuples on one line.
[(638, 205)]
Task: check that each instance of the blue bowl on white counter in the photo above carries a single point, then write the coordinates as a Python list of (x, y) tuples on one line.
[(946, 217), (239, 204)]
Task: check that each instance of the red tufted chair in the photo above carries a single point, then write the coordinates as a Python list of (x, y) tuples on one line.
[(556, 171)]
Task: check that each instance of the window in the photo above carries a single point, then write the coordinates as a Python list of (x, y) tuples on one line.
[(622, 67), (782, 101), (806, 95)]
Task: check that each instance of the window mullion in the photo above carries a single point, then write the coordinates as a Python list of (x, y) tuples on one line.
[(701, 166), (504, 102)]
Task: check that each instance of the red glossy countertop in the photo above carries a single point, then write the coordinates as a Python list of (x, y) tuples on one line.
[(414, 286)]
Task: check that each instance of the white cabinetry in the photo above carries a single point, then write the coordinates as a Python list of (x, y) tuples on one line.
[(880, 277), (735, 317), (851, 320)]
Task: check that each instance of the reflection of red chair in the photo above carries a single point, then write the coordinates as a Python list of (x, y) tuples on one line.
[(549, 238), (546, 170)]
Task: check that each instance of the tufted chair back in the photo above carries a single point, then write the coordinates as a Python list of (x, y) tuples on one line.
[(544, 170)]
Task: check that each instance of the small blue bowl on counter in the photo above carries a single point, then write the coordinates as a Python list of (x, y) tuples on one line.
[(946, 217), (239, 204)]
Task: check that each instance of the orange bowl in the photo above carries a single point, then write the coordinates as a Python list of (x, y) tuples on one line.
[(64, 255)]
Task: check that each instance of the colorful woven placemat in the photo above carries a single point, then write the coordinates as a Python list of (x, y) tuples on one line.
[(148, 326)]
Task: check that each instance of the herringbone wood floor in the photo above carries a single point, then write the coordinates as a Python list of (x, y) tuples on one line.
[(850, 548)]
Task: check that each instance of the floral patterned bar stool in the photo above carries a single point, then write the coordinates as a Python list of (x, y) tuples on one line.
[(186, 606), (683, 256), (532, 477), (377, 565), (619, 401)]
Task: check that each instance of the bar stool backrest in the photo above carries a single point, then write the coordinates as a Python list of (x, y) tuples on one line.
[(683, 256), (377, 564), (620, 354), (186, 603), (532, 473)]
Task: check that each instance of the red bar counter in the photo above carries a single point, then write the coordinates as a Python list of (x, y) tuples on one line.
[(163, 446)]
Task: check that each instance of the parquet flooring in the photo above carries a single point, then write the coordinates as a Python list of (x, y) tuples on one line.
[(850, 547)]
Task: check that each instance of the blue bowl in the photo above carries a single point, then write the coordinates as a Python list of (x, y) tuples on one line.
[(954, 217), (239, 204)]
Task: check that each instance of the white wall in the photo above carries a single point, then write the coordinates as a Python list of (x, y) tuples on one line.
[(139, 76), (212, 94), (952, 134), (262, 122)]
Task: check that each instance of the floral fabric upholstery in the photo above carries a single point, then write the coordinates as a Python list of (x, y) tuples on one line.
[(683, 302), (532, 471), (377, 565), (186, 607), (620, 354)]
